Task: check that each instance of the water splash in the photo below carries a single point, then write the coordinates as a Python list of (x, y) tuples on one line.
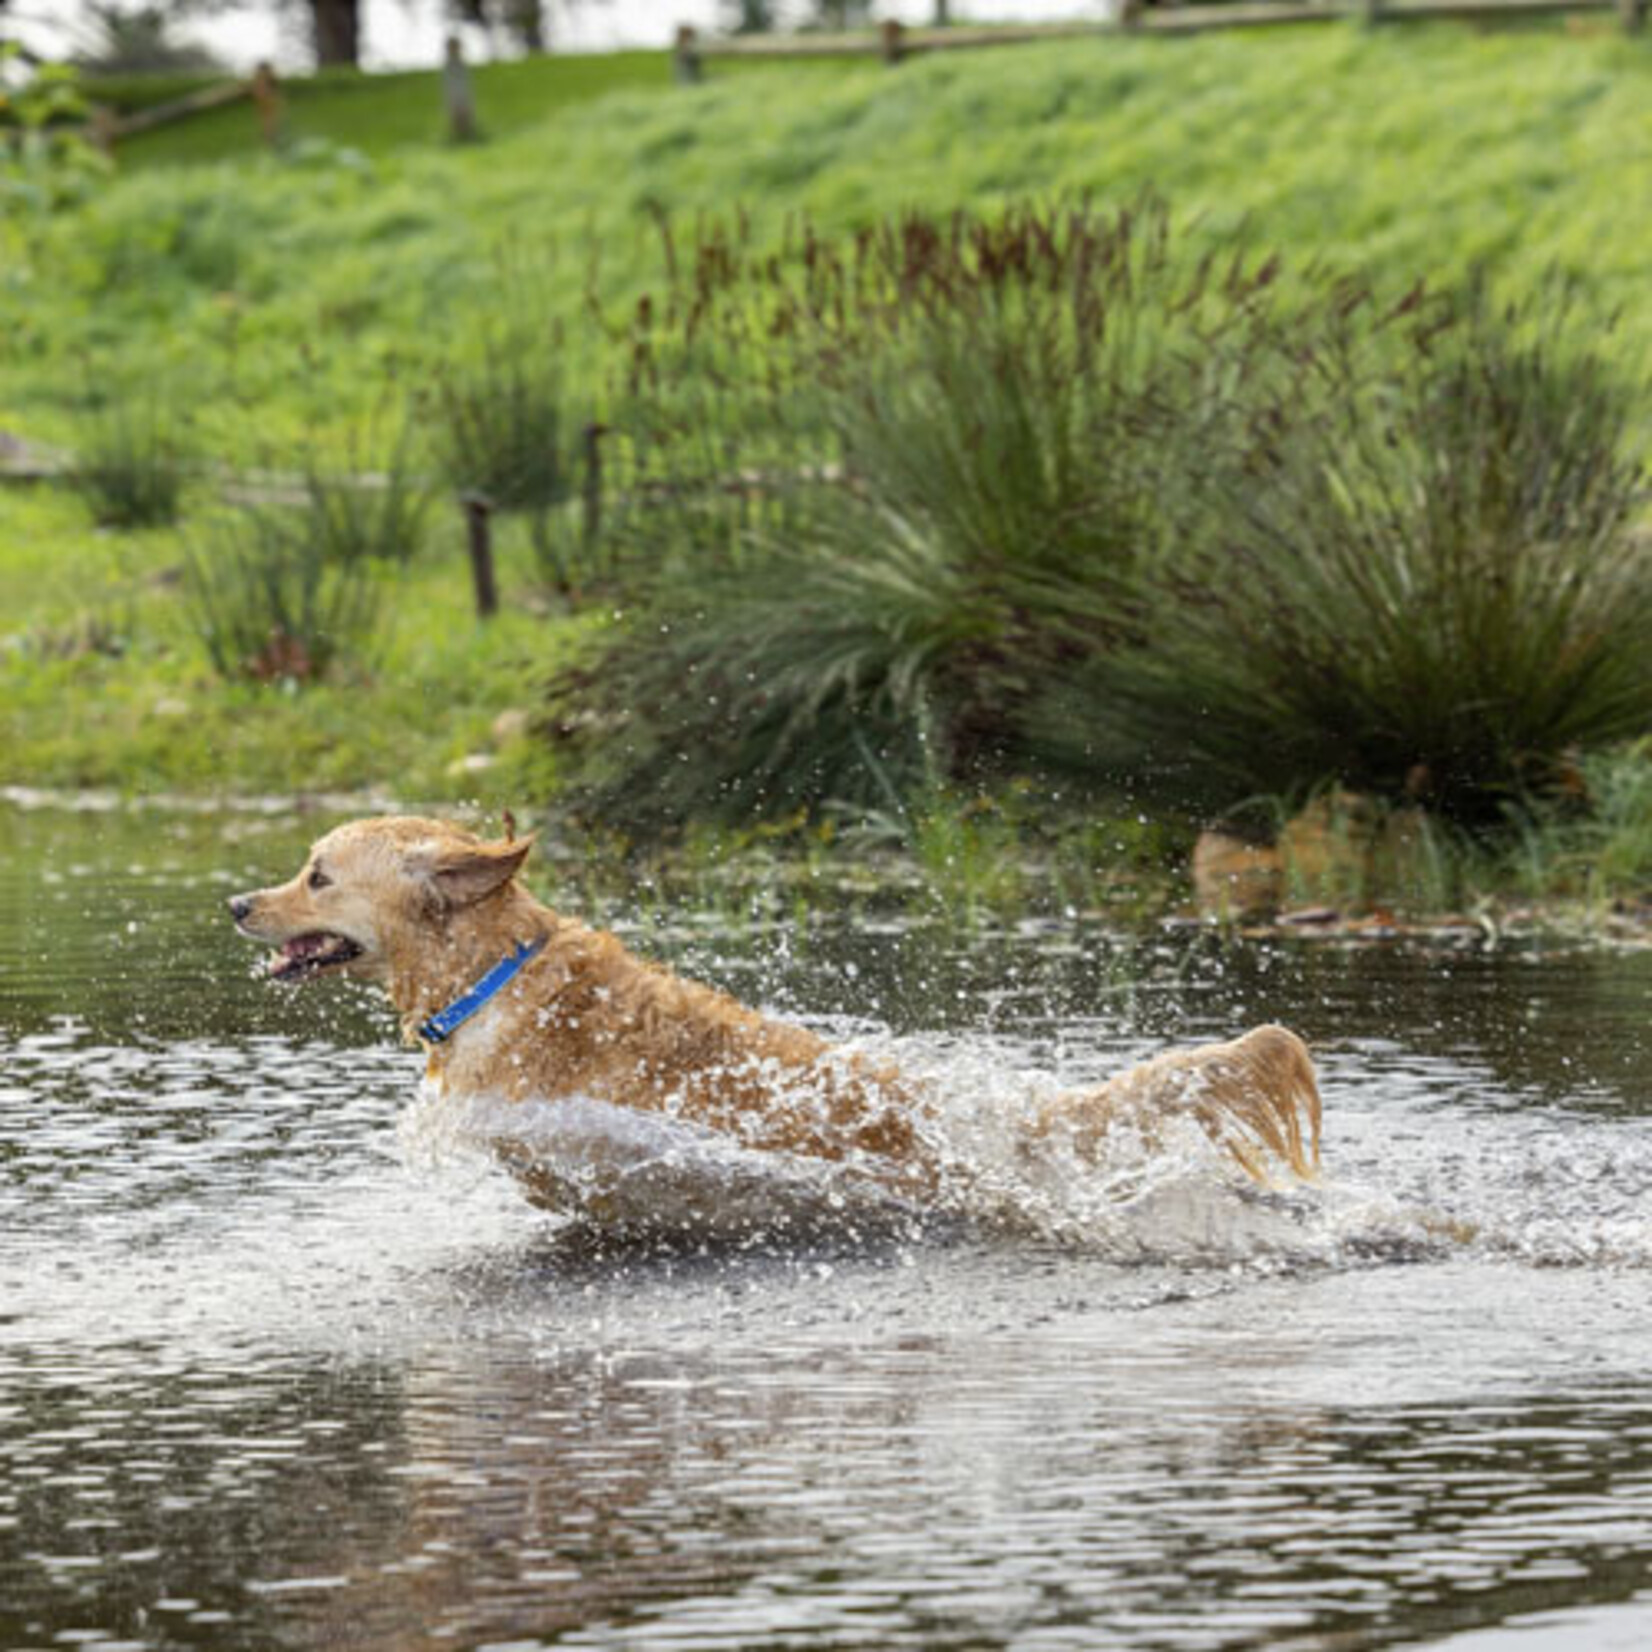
[(638, 1175), (1410, 1177)]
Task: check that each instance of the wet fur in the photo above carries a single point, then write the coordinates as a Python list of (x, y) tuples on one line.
[(432, 908)]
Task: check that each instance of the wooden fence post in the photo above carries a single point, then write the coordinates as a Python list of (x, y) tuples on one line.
[(1370, 12), (478, 510), (457, 95), (686, 67), (267, 96), (1633, 13), (891, 44), (103, 127)]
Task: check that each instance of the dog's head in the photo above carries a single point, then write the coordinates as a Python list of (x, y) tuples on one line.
[(372, 891)]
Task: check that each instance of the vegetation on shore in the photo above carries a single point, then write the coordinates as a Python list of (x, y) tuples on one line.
[(288, 301)]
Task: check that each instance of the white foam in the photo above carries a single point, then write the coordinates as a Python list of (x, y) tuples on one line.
[(1176, 1197), (1404, 1176), (640, 1170)]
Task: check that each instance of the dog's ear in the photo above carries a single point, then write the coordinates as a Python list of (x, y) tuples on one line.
[(466, 874)]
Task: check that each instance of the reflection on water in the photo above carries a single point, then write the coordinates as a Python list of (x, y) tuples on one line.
[(265, 1384)]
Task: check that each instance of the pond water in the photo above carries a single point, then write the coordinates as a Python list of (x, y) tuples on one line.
[(275, 1373)]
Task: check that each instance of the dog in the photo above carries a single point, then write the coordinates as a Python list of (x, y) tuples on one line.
[(514, 1001)]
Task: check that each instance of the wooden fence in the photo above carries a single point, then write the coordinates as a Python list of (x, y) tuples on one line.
[(893, 41), (106, 128)]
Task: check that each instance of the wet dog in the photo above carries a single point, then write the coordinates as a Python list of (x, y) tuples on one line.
[(514, 1001)]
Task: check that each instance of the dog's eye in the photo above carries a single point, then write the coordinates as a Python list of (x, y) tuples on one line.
[(318, 879)]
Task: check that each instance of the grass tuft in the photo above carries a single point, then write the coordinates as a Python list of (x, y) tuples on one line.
[(131, 463), (367, 502), (1431, 592), (965, 443), (270, 603)]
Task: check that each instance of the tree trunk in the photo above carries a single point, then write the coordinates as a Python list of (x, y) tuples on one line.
[(526, 20), (336, 32)]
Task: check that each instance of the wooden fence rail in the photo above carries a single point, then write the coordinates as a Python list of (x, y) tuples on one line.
[(107, 129)]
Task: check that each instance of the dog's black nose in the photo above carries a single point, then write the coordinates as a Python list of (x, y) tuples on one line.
[(240, 907)]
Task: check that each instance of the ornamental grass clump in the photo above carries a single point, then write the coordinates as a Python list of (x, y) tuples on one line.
[(1068, 494), (509, 436), (1430, 593), (499, 412), (967, 425), (500, 420)]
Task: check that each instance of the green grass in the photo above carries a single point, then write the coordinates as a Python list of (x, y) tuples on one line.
[(285, 288), (376, 114), (285, 295), (126, 94), (142, 711)]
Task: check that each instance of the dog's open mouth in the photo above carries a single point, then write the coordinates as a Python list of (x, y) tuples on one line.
[(310, 954)]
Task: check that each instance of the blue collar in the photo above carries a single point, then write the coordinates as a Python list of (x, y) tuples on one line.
[(444, 1023)]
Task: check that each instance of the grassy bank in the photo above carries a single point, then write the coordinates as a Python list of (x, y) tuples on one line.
[(105, 684), (287, 300)]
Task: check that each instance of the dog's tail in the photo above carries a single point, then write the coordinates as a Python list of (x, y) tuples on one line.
[(1256, 1095), (1260, 1099)]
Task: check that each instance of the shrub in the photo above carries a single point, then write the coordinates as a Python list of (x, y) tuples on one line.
[(47, 162), (1430, 594)]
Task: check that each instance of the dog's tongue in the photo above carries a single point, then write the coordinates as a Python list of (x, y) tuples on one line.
[(298, 949)]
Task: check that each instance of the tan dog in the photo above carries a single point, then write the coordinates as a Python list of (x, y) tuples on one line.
[(514, 1001)]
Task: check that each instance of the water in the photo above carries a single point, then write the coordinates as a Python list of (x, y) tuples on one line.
[(274, 1373)]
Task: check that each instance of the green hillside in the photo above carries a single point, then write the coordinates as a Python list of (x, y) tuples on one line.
[(1414, 151)]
